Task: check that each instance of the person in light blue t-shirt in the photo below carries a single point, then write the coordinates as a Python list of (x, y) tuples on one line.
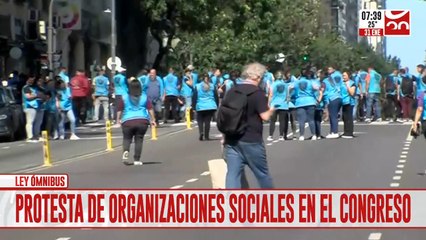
[(362, 94), (171, 88), (392, 85), (278, 92), (289, 80), (373, 89), (304, 90), (319, 110), (101, 95), (348, 90), (334, 99), (421, 86)]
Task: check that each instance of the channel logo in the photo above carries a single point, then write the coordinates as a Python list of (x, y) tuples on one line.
[(397, 22)]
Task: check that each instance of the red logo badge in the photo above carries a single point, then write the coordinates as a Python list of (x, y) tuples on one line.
[(397, 22)]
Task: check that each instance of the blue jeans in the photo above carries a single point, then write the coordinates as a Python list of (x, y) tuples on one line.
[(188, 104), (318, 120), (70, 115), (373, 99), (333, 114), (355, 111), (306, 114), (252, 154)]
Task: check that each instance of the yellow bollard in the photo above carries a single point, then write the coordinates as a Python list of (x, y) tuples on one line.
[(188, 118), (109, 135), (153, 133), (46, 149)]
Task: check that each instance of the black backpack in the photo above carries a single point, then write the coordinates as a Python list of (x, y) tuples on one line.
[(232, 115), (390, 84), (407, 85)]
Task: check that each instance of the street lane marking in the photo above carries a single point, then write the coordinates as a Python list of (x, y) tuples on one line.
[(63, 238), (404, 153), (410, 138), (400, 166), (375, 236), (398, 171), (407, 145), (177, 187), (7, 147), (66, 161), (403, 156), (397, 178), (206, 173), (192, 180), (402, 161), (406, 148), (22, 144), (97, 138), (394, 184), (269, 144)]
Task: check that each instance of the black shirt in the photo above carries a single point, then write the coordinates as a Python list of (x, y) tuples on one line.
[(257, 103)]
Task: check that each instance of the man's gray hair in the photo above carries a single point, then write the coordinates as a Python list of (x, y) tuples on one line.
[(253, 71)]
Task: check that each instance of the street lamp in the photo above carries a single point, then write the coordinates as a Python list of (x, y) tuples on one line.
[(50, 39), (113, 36)]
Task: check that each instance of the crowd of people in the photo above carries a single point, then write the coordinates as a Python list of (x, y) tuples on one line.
[(311, 97), (239, 102)]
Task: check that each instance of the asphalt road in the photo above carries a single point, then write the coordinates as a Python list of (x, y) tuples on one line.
[(381, 156), (21, 156)]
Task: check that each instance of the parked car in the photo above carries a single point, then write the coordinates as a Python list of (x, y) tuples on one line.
[(12, 118)]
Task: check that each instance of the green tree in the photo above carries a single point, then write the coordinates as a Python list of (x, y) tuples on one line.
[(228, 34)]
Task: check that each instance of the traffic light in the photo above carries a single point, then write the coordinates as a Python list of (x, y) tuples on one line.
[(305, 58)]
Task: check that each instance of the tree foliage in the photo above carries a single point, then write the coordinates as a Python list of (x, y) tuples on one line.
[(230, 33)]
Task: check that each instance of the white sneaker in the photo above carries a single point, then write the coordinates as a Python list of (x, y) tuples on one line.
[(347, 137), (314, 138), (281, 138), (74, 137), (379, 120), (301, 138), (270, 138), (62, 137), (137, 163), (332, 136), (368, 120)]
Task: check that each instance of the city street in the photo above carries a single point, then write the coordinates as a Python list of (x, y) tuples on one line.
[(381, 156)]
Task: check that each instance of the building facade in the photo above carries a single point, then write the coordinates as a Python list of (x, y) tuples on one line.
[(377, 43), (23, 35), (344, 18)]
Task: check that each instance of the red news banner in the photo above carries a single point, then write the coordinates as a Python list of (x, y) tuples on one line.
[(23, 207), (379, 23)]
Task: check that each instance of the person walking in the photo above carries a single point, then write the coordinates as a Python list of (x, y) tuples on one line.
[(348, 101), (120, 88), (135, 114), (243, 144), (171, 88), (406, 95), (64, 106), (373, 81), (80, 90), (205, 101), (100, 95), (278, 99), (155, 93)]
